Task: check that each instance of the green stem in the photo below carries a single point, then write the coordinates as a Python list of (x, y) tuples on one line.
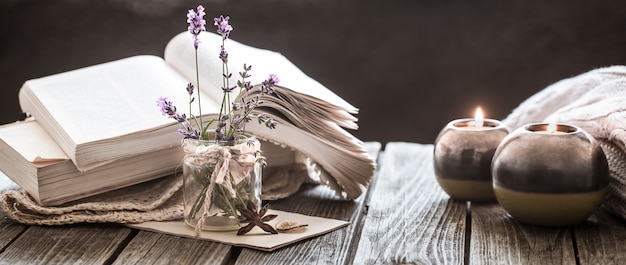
[(198, 93), (198, 203), (232, 210)]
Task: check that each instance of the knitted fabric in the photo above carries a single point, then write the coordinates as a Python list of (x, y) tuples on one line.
[(596, 102), (156, 200)]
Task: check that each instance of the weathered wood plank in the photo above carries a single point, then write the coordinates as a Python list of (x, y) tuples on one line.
[(9, 230), (156, 248), (410, 219), (496, 238), (601, 239), (330, 248), (72, 244)]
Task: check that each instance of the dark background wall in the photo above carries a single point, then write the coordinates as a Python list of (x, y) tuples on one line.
[(410, 66)]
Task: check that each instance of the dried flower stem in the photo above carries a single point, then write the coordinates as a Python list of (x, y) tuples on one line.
[(202, 131)]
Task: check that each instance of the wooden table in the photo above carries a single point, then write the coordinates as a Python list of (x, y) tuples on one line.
[(403, 218)]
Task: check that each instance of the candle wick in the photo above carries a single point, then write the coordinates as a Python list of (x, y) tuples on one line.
[(479, 122)]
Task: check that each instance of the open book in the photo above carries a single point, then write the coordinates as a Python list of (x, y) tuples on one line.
[(108, 112)]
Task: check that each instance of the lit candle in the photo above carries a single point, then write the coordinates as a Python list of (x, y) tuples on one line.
[(477, 123), (462, 157), (479, 118), (550, 174), (551, 128)]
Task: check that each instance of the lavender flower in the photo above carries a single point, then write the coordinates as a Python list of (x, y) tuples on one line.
[(233, 115), (223, 28), (190, 89), (190, 133), (266, 86), (269, 122), (196, 24), (223, 55), (168, 109), (242, 83), (228, 89)]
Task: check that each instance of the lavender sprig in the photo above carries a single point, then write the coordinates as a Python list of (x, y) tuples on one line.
[(223, 27), (168, 109), (233, 115), (196, 24)]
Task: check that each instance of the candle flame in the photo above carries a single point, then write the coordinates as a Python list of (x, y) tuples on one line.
[(552, 126), (479, 118)]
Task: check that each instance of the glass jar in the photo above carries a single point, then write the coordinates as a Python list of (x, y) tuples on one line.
[(218, 179)]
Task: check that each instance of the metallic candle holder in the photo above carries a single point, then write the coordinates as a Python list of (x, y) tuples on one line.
[(550, 176), (462, 158)]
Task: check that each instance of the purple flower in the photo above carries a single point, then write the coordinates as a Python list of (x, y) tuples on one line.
[(223, 54), (190, 88), (196, 24), (228, 89), (167, 108), (267, 85), (273, 79), (247, 85), (223, 28), (190, 133), (239, 122)]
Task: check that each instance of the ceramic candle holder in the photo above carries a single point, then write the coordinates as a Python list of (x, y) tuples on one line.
[(550, 179), (462, 158)]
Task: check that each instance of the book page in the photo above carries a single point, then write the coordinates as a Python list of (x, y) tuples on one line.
[(310, 116), (180, 54), (111, 99), (32, 142)]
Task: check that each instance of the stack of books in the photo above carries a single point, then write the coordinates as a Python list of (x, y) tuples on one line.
[(98, 128)]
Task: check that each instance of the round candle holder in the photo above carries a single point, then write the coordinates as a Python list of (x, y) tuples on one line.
[(548, 178), (462, 158)]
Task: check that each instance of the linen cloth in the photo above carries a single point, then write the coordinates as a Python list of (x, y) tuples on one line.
[(596, 102), (156, 200)]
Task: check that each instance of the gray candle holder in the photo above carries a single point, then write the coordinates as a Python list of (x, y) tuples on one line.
[(550, 179), (462, 158)]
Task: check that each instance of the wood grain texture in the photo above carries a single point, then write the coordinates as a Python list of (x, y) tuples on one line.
[(72, 244), (9, 230), (601, 239), (409, 218), (496, 238), (404, 217), (330, 248), (156, 248)]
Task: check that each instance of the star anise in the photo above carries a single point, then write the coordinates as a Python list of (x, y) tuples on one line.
[(255, 218)]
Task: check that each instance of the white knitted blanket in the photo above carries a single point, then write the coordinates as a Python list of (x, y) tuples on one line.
[(596, 102)]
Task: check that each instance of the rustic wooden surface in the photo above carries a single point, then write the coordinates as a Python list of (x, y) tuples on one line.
[(404, 218), (409, 220)]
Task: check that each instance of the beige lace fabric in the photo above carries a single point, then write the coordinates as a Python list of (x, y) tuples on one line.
[(596, 102), (156, 200)]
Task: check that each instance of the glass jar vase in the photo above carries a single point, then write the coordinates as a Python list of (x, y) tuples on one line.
[(219, 178)]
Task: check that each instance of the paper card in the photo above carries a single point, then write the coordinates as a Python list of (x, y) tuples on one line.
[(257, 238)]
